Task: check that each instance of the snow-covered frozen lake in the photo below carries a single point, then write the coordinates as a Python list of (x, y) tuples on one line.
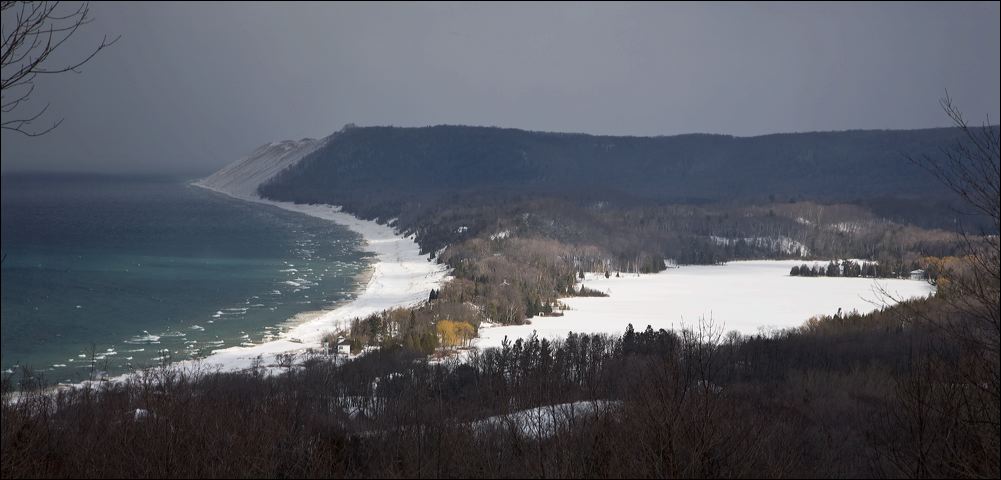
[(743, 296)]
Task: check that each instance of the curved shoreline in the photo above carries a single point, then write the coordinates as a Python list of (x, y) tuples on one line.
[(400, 276)]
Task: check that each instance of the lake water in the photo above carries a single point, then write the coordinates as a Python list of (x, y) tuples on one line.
[(133, 272)]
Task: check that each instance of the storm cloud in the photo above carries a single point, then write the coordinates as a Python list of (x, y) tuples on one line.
[(190, 87)]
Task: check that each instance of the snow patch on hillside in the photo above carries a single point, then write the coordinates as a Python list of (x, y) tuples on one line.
[(784, 245), (847, 227), (546, 421)]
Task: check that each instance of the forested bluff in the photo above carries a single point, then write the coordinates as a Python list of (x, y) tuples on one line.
[(908, 391)]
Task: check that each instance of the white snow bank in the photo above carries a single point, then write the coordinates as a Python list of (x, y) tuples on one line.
[(400, 276), (538, 423), (745, 296), (784, 245), (544, 422), (501, 235)]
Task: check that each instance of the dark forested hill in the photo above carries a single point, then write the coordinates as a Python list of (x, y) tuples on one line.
[(376, 169)]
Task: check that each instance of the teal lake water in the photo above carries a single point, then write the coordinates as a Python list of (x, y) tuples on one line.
[(134, 272)]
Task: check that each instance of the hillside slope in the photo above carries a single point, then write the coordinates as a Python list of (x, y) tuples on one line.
[(242, 177), (381, 168)]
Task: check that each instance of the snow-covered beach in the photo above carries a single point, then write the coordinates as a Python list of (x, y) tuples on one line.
[(748, 297), (400, 275)]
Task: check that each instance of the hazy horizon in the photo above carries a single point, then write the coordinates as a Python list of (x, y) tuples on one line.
[(194, 174), (190, 88)]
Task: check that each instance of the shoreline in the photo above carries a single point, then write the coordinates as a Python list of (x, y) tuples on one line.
[(400, 276), (362, 279)]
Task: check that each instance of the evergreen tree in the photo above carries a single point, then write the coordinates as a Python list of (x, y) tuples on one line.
[(629, 340), (833, 270), (532, 307), (429, 343), (547, 308), (867, 270)]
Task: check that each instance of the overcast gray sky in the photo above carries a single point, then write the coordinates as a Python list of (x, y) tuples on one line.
[(190, 87)]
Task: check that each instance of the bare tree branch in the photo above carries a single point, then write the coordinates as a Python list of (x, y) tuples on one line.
[(32, 32), (970, 314)]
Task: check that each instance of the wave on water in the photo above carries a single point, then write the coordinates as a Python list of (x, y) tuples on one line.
[(145, 338), (234, 287)]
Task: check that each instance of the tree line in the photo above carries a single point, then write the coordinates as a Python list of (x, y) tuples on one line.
[(846, 268), (853, 395)]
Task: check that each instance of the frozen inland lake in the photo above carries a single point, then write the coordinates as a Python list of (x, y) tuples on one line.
[(748, 296)]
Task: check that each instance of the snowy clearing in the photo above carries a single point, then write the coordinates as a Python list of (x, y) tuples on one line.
[(749, 297), (545, 422)]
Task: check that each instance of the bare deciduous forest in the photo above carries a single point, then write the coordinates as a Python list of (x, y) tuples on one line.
[(911, 390), (882, 395)]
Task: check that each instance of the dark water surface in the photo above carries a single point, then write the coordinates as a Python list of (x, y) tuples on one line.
[(137, 271)]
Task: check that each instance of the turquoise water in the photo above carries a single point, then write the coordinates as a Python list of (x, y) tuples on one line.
[(134, 272)]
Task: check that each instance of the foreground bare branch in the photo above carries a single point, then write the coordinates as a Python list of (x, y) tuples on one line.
[(32, 33)]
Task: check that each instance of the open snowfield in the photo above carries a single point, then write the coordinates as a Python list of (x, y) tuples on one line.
[(744, 296)]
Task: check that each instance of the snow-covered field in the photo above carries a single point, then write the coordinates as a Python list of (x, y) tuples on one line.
[(745, 296)]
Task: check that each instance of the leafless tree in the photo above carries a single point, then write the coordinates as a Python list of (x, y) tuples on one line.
[(32, 32), (971, 169), (965, 388)]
